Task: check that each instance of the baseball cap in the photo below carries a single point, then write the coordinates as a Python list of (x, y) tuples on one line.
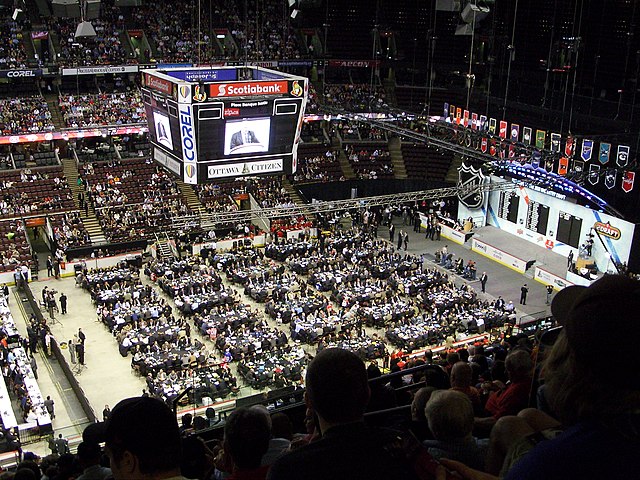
[(601, 321)]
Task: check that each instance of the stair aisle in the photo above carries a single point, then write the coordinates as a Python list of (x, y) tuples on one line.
[(395, 152), (347, 171), (189, 194), (90, 221), (56, 115)]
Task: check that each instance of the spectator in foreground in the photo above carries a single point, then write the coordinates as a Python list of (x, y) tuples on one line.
[(143, 440), (246, 440), (450, 417), (89, 458), (338, 391), (595, 400)]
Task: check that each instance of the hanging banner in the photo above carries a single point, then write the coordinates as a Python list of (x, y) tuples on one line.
[(541, 137), (610, 178), (623, 156), (512, 151), (446, 111), (526, 135), (536, 156), (483, 145), (492, 125), (563, 166), (569, 147), (555, 142), (594, 173), (515, 132), (503, 129), (458, 115), (578, 166), (627, 181), (587, 150), (605, 152), (466, 118), (483, 123), (474, 121), (452, 111), (492, 148)]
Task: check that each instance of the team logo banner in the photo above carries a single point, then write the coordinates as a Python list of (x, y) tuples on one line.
[(458, 115), (492, 125), (610, 178), (594, 174), (515, 132), (466, 118), (563, 166), (555, 142), (587, 150), (623, 156), (469, 181), (570, 147), (446, 110), (541, 137), (483, 145), (492, 148), (452, 111), (526, 135), (627, 181), (483, 123), (578, 166), (474, 121), (605, 152), (535, 159), (503, 129)]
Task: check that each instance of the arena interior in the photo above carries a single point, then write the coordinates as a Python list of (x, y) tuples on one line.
[(200, 197)]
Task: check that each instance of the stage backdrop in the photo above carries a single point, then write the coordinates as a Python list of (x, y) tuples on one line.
[(550, 221)]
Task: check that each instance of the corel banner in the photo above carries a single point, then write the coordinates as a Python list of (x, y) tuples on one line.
[(20, 73)]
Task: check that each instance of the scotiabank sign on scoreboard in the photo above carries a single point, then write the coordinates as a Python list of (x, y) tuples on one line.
[(242, 89), (158, 84)]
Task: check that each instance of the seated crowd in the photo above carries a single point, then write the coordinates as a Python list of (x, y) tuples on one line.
[(24, 115), (34, 191), (133, 198), (372, 162), (91, 110), (356, 97), (12, 52)]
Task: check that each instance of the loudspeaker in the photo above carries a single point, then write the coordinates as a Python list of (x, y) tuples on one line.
[(93, 9), (66, 8), (85, 30)]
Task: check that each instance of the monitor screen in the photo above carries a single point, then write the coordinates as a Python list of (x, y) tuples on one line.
[(162, 129), (249, 135)]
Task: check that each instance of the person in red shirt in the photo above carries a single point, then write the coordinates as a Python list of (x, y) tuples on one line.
[(509, 399)]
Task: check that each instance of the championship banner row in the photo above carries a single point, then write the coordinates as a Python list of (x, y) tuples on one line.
[(481, 123)]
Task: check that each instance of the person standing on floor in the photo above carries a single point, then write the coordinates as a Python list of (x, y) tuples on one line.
[(483, 281), (63, 303), (392, 230), (400, 237), (72, 350), (61, 445), (106, 413), (549, 293), (34, 366), (48, 404), (406, 240), (49, 266), (523, 294)]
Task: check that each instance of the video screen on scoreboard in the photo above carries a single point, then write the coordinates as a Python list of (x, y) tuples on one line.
[(248, 135), (162, 129), (233, 129)]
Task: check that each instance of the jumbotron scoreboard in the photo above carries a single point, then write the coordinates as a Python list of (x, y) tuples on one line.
[(210, 123)]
